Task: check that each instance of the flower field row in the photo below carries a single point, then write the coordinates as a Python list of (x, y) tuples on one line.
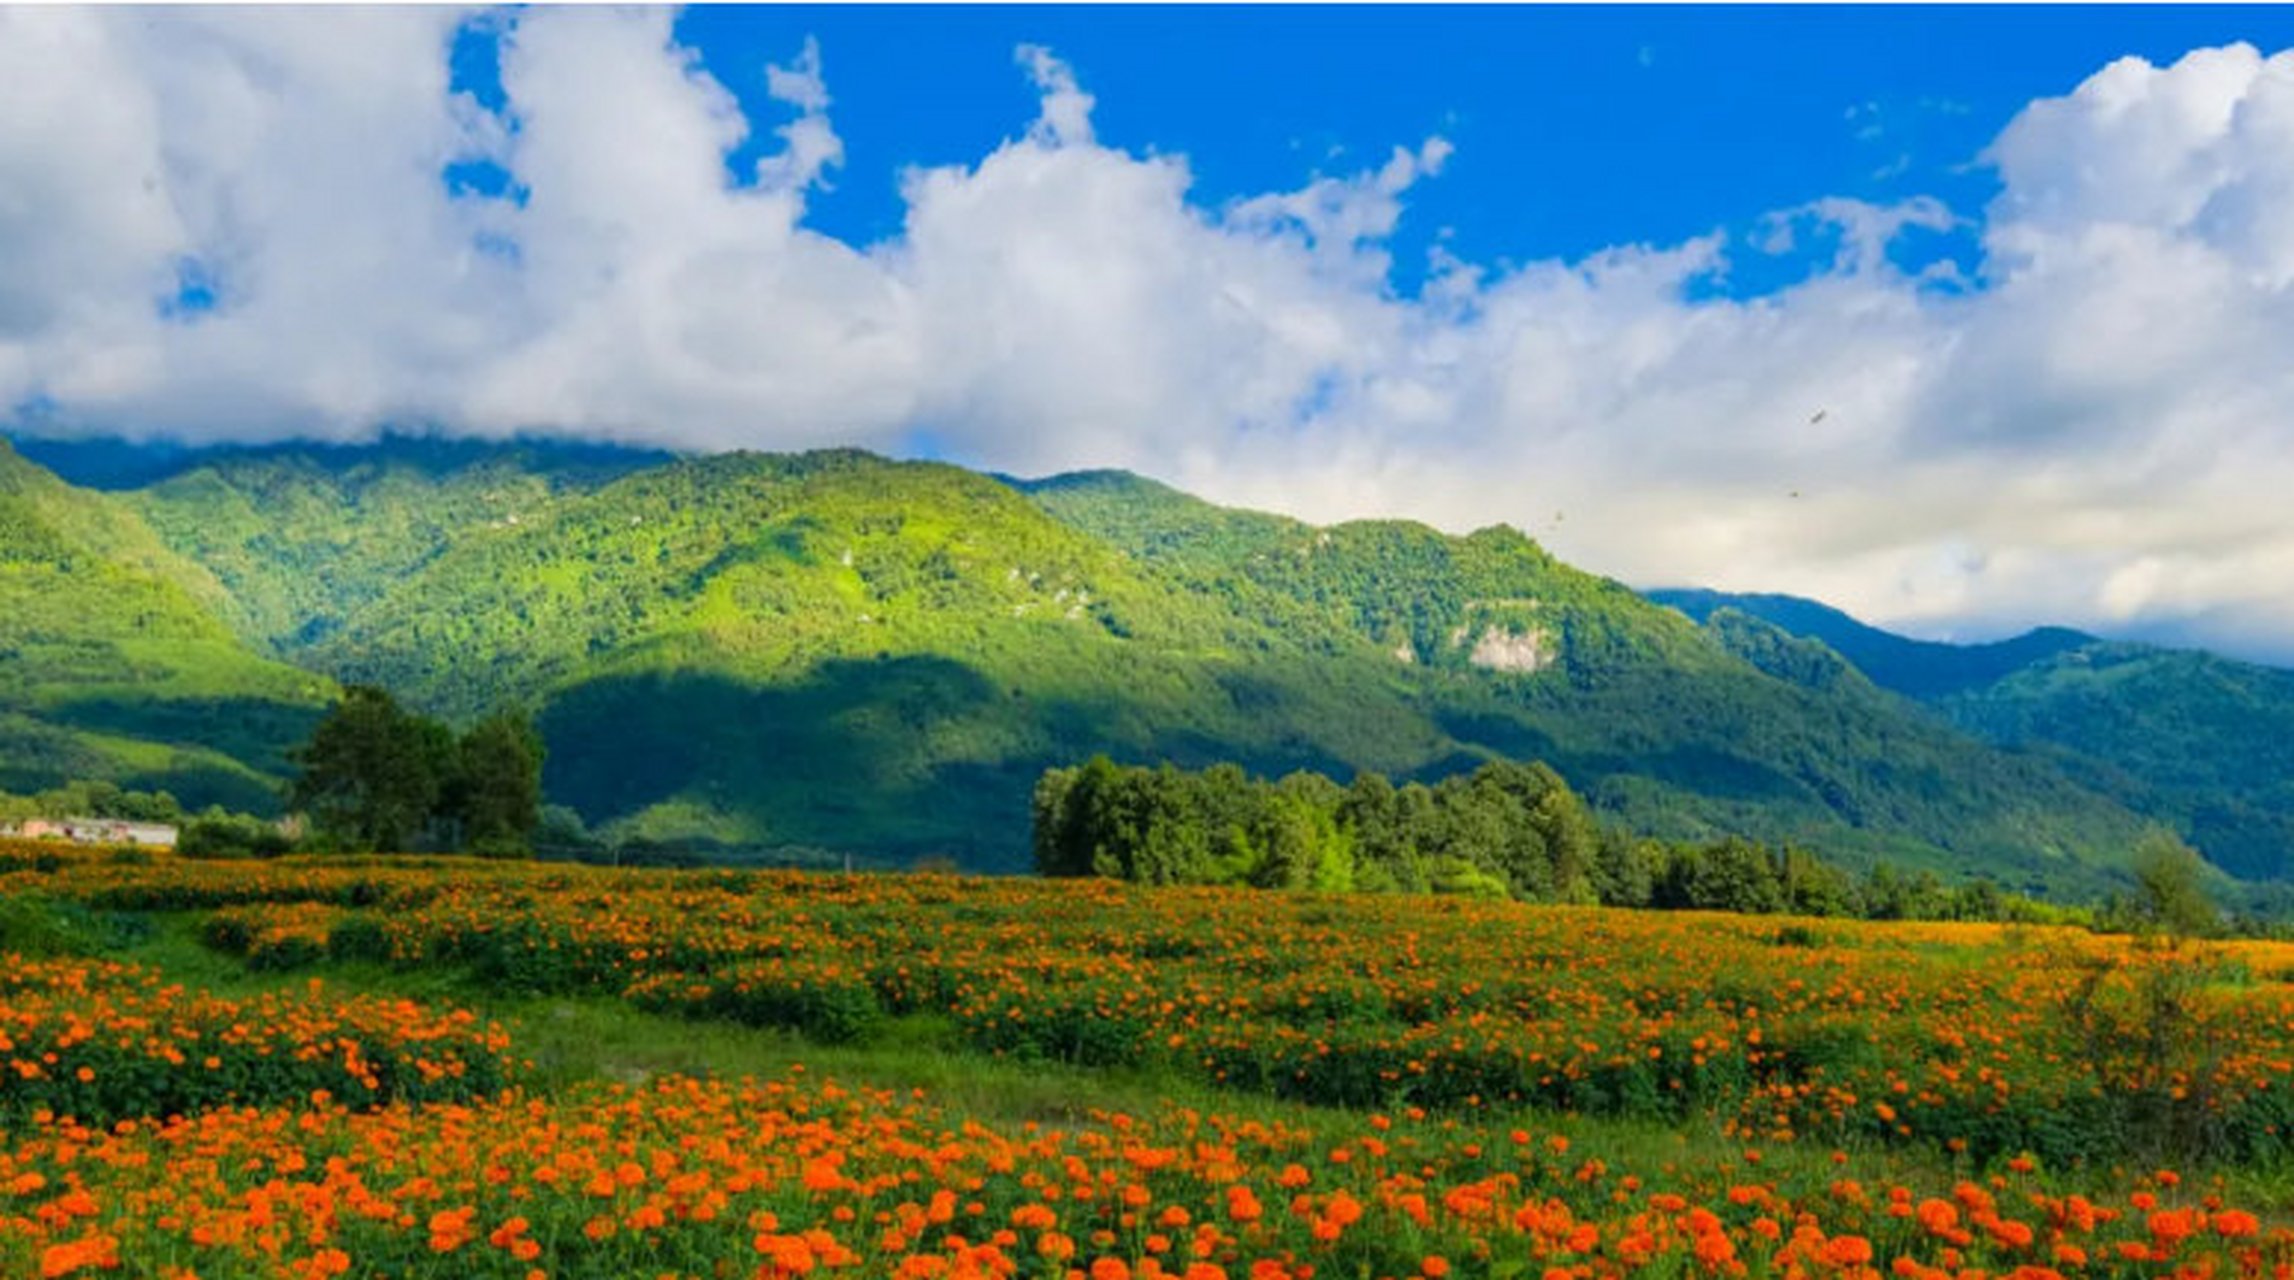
[(790, 1177), (101, 1042), (1991, 1039)]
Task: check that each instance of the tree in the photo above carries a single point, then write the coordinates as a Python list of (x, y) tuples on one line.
[(1889, 894), (1290, 838), (1079, 821), (558, 827), (1813, 887), (1731, 874), (1053, 836), (1473, 824), (495, 792), (371, 774), (1383, 857), (2170, 887), (1625, 868)]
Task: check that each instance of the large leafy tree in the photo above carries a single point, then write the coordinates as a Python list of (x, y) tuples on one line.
[(496, 793), (377, 777), (372, 773)]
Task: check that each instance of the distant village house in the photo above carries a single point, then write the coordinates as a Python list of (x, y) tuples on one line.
[(150, 835)]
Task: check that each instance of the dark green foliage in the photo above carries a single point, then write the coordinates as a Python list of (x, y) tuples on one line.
[(1626, 867), (495, 792), (1814, 887), (371, 775), (1727, 875), (1810, 664), (36, 925), (378, 778), (2202, 744), (93, 800), (1503, 831), (217, 834), (1517, 827), (1924, 669), (1893, 895)]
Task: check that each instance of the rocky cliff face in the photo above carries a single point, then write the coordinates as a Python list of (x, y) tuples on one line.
[(1499, 649)]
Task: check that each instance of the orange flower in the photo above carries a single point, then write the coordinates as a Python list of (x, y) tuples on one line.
[(1847, 1251)]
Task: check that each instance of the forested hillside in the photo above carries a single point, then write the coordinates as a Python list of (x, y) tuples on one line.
[(116, 663), (301, 538), (1664, 724), (833, 650), (2196, 741)]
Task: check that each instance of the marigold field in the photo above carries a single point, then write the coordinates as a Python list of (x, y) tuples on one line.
[(395, 1067)]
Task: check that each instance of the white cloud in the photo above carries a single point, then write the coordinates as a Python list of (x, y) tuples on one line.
[(809, 144), (2096, 433), (1066, 118)]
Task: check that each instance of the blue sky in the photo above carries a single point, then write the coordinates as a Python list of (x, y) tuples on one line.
[(1963, 319), (1577, 127)]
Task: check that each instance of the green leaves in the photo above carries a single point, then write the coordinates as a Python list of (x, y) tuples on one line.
[(370, 777), (377, 778)]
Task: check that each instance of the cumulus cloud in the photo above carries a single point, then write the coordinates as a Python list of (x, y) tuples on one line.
[(251, 232)]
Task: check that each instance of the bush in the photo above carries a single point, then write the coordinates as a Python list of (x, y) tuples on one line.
[(231, 835), (358, 936), (827, 1005), (33, 925), (2155, 1050)]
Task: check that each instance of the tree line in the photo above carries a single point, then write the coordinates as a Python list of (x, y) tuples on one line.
[(1507, 829)]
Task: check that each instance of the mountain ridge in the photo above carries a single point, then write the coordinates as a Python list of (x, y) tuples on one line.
[(836, 649), (1918, 668), (2201, 742)]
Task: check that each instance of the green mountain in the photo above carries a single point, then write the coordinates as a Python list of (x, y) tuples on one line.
[(2199, 742), (301, 537), (831, 649), (1924, 669), (836, 650), (116, 664), (1663, 723)]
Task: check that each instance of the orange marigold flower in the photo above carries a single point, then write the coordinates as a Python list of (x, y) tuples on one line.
[(1847, 1251), (2236, 1224)]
